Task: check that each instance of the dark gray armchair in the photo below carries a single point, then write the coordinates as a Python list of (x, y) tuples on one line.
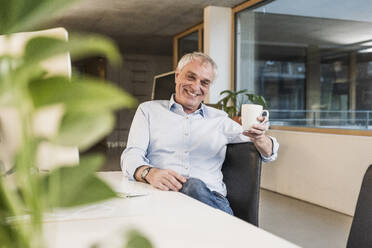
[(241, 168), (242, 173), (361, 228)]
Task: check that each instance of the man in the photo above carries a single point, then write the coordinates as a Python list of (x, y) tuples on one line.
[(180, 144)]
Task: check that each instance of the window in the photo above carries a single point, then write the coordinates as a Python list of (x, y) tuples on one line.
[(188, 44), (311, 60), (188, 41)]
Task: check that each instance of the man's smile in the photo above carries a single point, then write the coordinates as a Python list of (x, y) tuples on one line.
[(192, 94)]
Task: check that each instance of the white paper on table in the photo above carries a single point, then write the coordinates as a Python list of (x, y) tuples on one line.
[(99, 210), (126, 188)]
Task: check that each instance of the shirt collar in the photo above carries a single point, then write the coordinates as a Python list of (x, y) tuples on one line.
[(173, 105)]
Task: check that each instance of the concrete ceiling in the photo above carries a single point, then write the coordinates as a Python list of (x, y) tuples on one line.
[(142, 26), (148, 26)]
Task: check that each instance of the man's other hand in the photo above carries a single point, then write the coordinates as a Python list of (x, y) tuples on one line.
[(165, 179), (257, 131), (257, 134)]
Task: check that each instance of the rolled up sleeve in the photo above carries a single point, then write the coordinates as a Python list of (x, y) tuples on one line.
[(134, 155)]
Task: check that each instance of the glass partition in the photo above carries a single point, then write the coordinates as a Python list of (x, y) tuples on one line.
[(311, 60)]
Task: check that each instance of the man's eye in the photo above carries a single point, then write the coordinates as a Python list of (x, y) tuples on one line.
[(191, 78), (204, 83)]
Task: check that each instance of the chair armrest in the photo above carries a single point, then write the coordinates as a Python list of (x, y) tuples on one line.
[(242, 173)]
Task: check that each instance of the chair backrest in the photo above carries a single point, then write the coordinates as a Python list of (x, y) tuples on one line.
[(242, 176), (163, 86), (361, 229)]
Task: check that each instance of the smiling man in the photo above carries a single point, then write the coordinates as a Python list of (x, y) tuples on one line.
[(180, 144)]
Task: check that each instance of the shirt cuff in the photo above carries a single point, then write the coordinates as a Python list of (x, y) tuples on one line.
[(130, 161), (274, 154)]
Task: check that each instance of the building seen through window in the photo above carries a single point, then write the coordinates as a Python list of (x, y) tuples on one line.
[(312, 61)]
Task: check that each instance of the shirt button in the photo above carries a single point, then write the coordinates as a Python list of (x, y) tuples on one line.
[(186, 152), (186, 134)]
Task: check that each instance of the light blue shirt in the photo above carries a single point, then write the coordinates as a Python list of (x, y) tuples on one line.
[(162, 135)]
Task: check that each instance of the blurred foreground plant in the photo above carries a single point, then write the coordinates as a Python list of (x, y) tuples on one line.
[(41, 113)]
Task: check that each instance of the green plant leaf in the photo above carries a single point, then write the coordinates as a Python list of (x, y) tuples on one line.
[(240, 92), (231, 98), (137, 240), (262, 101), (79, 95), (41, 48), (236, 98), (83, 129), (9, 234), (256, 99), (94, 190), (77, 185), (229, 92), (23, 15)]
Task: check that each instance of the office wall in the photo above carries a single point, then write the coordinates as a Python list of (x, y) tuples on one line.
[(324, 169), (136, 77)]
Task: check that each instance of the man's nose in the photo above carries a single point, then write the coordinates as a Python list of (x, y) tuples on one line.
[(196, 84)]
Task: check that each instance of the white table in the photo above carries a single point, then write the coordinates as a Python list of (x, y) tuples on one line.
[(168, 219)]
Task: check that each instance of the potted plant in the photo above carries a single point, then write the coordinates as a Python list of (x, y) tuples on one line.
[(39, 110), (232, 101)]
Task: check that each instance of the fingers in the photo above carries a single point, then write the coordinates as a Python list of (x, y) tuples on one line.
[(256, 132), (166, 179), (161, 187), (246, 133), (178, 176), (257, 129), (262, 119), (175, 184), (253, 133), (166, 184), (162, 184), (261, 126), (175, 180), (171, 183)]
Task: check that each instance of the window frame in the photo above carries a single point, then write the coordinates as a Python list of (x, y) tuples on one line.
[(199, 28)]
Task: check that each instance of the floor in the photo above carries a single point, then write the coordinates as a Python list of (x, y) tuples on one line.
[(299, 222), (302, 223)]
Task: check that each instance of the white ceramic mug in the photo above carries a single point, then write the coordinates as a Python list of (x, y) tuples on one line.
[(250, 112)]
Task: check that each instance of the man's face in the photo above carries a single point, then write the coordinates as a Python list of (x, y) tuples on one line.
[(192, 84)]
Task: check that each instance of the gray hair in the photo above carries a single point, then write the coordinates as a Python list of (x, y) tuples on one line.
[(204, 58)]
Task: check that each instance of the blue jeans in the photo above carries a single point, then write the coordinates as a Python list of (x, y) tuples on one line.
[(198, 190)]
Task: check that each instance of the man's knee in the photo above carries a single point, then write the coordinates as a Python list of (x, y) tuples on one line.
[(194, 187)]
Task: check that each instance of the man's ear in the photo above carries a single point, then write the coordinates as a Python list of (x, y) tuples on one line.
[(176, 74)]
